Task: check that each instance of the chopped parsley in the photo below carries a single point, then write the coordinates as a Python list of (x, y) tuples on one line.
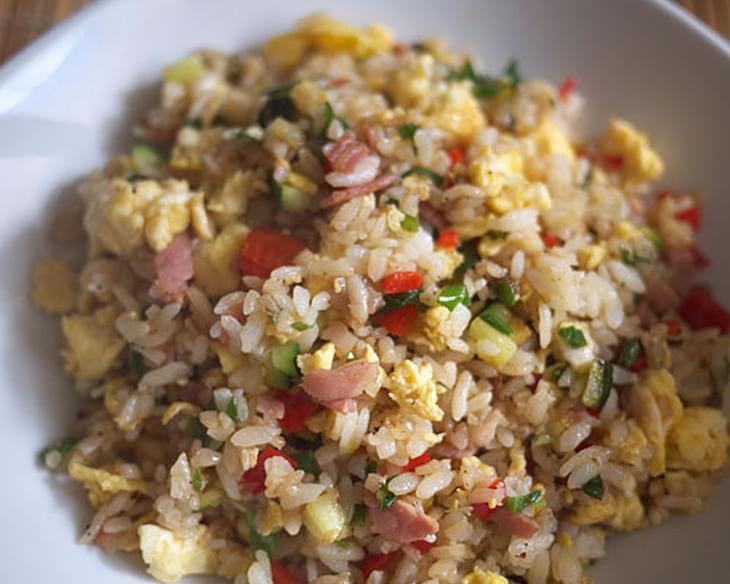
[(573, 336), (408, 130), (384, 497), (435, 177), (594, 487), (232, 409), (307, 462)]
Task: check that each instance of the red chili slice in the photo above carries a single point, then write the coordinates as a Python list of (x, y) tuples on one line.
[(414, 463), (254, 479), (700, 310), (298, 408), (448, 238)]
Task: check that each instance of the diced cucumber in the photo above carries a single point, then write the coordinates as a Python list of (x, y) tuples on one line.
[(598, 386), (492, 346), (284, 359), (185, 71), (147, 159), (293, 200), (497, 315), (275, 378)]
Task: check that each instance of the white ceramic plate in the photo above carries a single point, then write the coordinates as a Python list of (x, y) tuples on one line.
[(66, 104)]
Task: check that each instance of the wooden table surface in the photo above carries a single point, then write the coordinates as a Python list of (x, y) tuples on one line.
[(23, 20)]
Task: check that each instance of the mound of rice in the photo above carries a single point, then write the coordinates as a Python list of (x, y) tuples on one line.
[(353, 311)]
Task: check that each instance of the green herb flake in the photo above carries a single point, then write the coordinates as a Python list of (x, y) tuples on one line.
[(468, 250), (435, 177), (258, 541), (55, 455), (519, 504), (627, 257), (307, 462), (453, 295), (329, 117), (359, 515), (278, 105), (497, 315), (541, 437), (506, 291), (197, 481), (557, 373), (655, 239), (419, 48), (342, 544), (409, 223), (301, 326), (408, 130), (512, 72), (630, 352), (394, 301), (350, 357), (196, 123), (573, 336), (371, 467), (195, 428), (136, 363), (483, 85), (594, 488), (232, 409), (384, 497), (496, 234), (218, 119)]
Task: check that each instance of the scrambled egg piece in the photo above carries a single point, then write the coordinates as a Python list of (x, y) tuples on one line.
[(272, 518), (215, 262), (488, 170), (433, 319), (229, 361), (170, 557), (308, 98), (629, 513), (621, 512), (54, 286), (322, 358), (479, 576), (457, 112), (590, 256), (175, 408), (321, 32), (93, 344), (699, 441), (231, 200), (121, 216), (551, 139), (101, 483), (626, 231), (413, 388), (654, 404), (641, 162), (411, 85)]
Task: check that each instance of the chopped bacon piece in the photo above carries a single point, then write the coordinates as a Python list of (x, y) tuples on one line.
[(174, 267), (336, 388), (343, 195), (403, 523)]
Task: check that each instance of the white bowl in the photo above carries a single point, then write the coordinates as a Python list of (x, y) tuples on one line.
[(66, 105)]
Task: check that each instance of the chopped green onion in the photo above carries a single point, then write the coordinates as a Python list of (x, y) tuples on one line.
[(330, 116), (497, 234), (573, 336), (519, 504), (307, 462), (342, 544), (419, 48), (54, 455), (218, 119), (384, 497), (408, 130), (598, 386), (453, 295), (512, 72), (359, 515), (497, 315), (196, 123), (197, 481), (588, 178), (558, 372), (484, 86), (284, 358), (301, 326), (629, 353), (232, 409), (468, 250), (435, 177), (258, 541), (371, 467), (146, 159), (393, 301), (195, 428), (627, 257), (136, 363), (409, 223), (350, 357), (278, 105), (594, 487), (655, 238), (506, 291), (541, 437)]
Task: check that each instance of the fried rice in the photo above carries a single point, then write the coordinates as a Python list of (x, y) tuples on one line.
[(353, 311)]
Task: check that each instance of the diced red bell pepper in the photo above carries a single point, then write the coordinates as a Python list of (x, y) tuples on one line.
[(700, 310), (375, 562), (400, 282), (699, 259), (640, 364), (423, 546), (254, 479), (566, 88), (611, 161), (266, 249), (691, 215), (414, 463), (456, 156), (672, 327), (593, 412), (398, 322), (549, 240), (298, 408), (340, 81), (280, 574), (448, 238)]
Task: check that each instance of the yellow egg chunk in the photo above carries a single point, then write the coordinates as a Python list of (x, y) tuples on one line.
[(106, 481), (457, 112), (54, 287), (641, 163), (92, 344), (216, 262), (479, 576), (699, 441), (169, 557), (412, 386)]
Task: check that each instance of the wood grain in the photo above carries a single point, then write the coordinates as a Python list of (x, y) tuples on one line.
[(23, 20)]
